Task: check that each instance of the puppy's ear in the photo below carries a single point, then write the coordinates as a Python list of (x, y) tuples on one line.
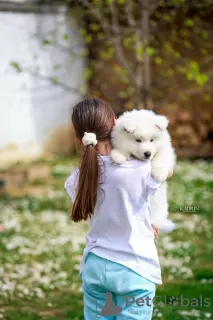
[(129, 127), (161, 122)]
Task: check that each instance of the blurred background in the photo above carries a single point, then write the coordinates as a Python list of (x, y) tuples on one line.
[(153, 54)]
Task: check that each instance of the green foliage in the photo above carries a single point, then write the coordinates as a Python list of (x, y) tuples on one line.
[(207, 97), (168, 47), (86, 35), (122, 1), (88, 38), (109, 2), (58, 67), (97, 3), (100, 36), (46, 42), (65, 36), (204, 34), (194, 74), (55, 80), (139, 49), (158, 60), (151, 51), (175, 42), (83, 32), (87, 73), (16, 66), (176, 2), (189, 23), (127, 42), (120, 71), (107, 54), (94, 27)]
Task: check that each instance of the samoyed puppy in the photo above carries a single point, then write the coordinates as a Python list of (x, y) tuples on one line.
[(144, 135)]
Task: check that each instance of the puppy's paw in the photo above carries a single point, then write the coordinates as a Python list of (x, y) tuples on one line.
[(118, 157), (159, 174), (166, 225)]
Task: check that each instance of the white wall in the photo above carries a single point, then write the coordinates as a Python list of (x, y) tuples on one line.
[(31, 107)]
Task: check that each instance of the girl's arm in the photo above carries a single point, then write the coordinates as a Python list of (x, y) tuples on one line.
[(156, 230), (170, 174), (71, 184)]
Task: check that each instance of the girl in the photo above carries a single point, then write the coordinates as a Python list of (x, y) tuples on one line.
[(120, 267)]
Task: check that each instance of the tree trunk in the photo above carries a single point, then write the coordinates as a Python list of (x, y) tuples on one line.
[(147, 99)]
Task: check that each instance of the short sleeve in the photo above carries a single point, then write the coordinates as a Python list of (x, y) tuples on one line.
[(71, 184), (151, 184)]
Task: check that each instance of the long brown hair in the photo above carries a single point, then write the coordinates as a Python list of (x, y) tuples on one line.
[(96, 116)]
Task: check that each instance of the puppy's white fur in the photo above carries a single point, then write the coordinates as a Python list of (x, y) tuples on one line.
[(138, 133)]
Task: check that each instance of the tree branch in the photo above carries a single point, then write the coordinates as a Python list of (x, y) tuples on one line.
[(129, 14), (118, 43), (96, 12), (188, 92), (36, 74)]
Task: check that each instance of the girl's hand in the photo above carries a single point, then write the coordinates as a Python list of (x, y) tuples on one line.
[(170, 174), (156, 231)]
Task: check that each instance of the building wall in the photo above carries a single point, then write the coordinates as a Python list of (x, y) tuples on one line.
[(47, 47)]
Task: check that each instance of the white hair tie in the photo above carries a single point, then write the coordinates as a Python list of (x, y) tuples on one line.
[(89, 138)]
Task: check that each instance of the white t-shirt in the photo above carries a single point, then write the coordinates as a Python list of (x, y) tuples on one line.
[(120, 228)]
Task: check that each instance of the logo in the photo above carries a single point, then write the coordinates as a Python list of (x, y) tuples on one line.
[(111, 309), (191, 209)]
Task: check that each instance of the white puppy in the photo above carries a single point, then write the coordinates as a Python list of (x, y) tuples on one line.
[(144, 135)]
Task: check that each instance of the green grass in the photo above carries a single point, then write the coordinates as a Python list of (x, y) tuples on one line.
[(41, 249)]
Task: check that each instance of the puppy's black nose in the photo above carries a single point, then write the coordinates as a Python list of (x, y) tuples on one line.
[(147, 154)]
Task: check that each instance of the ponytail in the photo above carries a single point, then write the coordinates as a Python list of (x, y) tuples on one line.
[(85, 200)]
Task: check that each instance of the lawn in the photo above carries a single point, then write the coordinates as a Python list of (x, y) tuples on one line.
[(41, 249)]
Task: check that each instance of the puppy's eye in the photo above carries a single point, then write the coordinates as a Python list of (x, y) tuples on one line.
[(138, 140), (151, 140)]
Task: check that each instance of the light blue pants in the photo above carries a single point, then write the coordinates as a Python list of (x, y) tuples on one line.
[(115, 292)]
